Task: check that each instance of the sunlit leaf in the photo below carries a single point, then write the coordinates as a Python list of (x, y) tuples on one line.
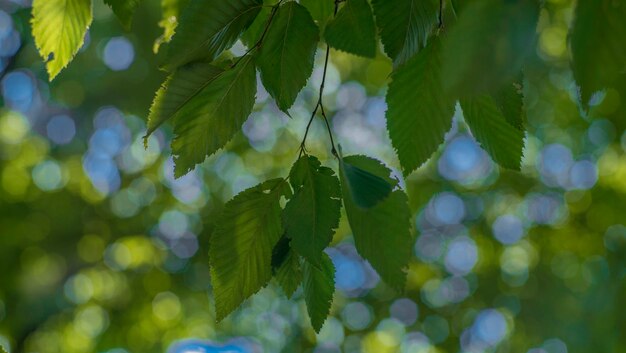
[(287, 54), (242, 242), (419, 110), (59, 29), (170, 13), (353, 29), (319, 288)]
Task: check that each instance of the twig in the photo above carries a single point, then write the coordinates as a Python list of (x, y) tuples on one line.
[(320, 104)]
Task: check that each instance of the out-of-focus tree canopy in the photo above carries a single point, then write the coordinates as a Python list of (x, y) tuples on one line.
[(470, 199)]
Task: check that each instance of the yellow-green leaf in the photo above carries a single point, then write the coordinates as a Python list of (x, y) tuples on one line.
[(59, 28)]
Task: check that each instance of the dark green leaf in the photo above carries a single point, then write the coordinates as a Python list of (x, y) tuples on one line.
[(364, 188), (252, 35), (180, 88), (501, 140), (321, 10), (405, 26), (209, 120), (312, 214), (598, 41), (208, 27), (510, 101), (372, 166), (487, 46), (353, 29), (287, 54), (382, 233), (319, 288), (124, 10), (419, 110), (242, 242), (286, 266)]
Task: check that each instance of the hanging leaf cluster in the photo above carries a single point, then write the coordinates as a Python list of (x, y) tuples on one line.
[(445, 53)]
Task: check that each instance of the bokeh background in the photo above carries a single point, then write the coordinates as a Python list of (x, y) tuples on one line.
[(102, 250)]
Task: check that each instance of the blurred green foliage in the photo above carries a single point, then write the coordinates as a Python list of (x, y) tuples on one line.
[(101, 250)]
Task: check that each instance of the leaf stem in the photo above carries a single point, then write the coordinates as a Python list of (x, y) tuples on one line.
[(320, 103)]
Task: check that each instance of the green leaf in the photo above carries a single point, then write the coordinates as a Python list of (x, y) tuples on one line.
[(353, 29), (510, 101), (405, 26), (252, 35), (501, 140), (419, 112), (124, 10), (242, 242), (321, 10), (170, 10), (209, 120), (488, 44), (364, 188), (208, 27), (180, 88), (372, 166), (59, 29), (319, 288), (382, 233), (598, 42), (287, 54), (286, 266), (312, 214)]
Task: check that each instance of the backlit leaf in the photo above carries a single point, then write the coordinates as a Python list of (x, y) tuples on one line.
[(208, 27), (170, 13), (209, 120), (59, 29), (180, 88), (242, 242)]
